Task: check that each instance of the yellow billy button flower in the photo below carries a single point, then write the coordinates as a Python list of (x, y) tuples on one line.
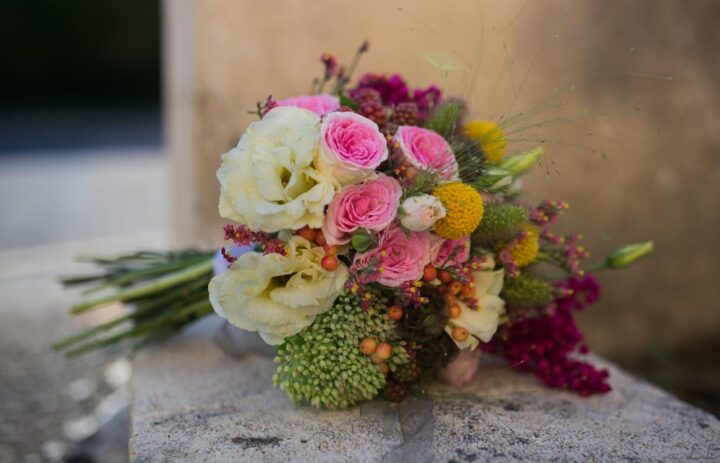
[(464, 210), (525, 251), (490, 138)]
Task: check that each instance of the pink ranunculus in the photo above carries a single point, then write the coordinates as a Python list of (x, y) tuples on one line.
[(449, 252), (399, 257), (372, 205), (426, 150), (319, 104), (351, 147)]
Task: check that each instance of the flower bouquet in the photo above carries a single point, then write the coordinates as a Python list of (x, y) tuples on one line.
[(378, 241)]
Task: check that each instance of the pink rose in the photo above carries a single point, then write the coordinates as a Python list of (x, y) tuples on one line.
[(399, 257), (372, 205), (449, 252), (426, 150), (351, 147), (319, 104)]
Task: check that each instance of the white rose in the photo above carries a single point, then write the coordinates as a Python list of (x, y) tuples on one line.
[(277, 295), (481, 323), (419, 213), (268, 181)]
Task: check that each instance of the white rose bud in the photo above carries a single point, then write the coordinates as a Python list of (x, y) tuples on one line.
[(419, 213)]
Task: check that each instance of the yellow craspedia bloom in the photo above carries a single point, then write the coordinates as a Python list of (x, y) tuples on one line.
[(463, 210), (490, 137), (525, 251)]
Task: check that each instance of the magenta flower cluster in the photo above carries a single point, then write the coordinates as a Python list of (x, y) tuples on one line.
[(393, 90), (545, 344)]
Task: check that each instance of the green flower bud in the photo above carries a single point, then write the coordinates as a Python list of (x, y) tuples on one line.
[(499, 222), (519, 163), (362, 240), (493, 179), (527, 291), (626, 255)]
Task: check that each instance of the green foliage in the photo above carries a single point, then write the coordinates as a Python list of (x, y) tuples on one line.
[(493, 179), (363, 239), (624, 256), (347, 101), (423, 183), (519, 163), (499, 222), (436, 354), (470, 159), (444, 118), (323, 366), (424, 328), (424, 323), (527, 291)]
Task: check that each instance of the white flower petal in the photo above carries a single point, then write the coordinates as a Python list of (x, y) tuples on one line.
[(268, 182), (277, 295), (487, 282), (483, 322)]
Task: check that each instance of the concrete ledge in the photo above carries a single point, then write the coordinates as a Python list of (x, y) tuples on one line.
[(192, 401)]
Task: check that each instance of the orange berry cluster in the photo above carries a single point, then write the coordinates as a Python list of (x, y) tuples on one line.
[(379, 353), (315, 235), (453, 290)]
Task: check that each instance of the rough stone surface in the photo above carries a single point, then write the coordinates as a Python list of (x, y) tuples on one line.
[(50, 404), (195, 400)]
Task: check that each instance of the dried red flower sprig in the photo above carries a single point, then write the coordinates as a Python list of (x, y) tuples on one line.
[(506, 256), (242, 236), (330, 64), (545, 344), (547, 212), (410, 294), (264, 107), (229, 258), (564, 251)]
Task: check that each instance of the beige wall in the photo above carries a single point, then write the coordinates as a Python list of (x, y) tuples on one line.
[(632, 145)]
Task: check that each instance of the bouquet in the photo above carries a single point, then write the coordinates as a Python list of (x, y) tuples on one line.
[(378, 240)]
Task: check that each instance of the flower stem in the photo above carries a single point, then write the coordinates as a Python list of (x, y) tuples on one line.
[(156, 286), (148, 309), (199, 308)]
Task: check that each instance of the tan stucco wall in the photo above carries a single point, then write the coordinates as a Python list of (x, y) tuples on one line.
[(634, 150)]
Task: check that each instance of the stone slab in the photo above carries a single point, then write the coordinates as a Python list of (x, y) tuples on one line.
[(193, 400)]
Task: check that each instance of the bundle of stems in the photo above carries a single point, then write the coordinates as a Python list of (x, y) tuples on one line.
[(164, 292)]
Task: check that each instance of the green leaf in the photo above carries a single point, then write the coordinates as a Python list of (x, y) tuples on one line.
[(493, 179), (442, 61), (363, 240), (349, 102), (444, 118)]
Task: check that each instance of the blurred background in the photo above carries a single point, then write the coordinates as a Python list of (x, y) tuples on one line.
[(113, 116)]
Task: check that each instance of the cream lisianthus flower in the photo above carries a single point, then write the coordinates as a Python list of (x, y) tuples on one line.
[(268, 181), (480, 323), (277, 295)]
